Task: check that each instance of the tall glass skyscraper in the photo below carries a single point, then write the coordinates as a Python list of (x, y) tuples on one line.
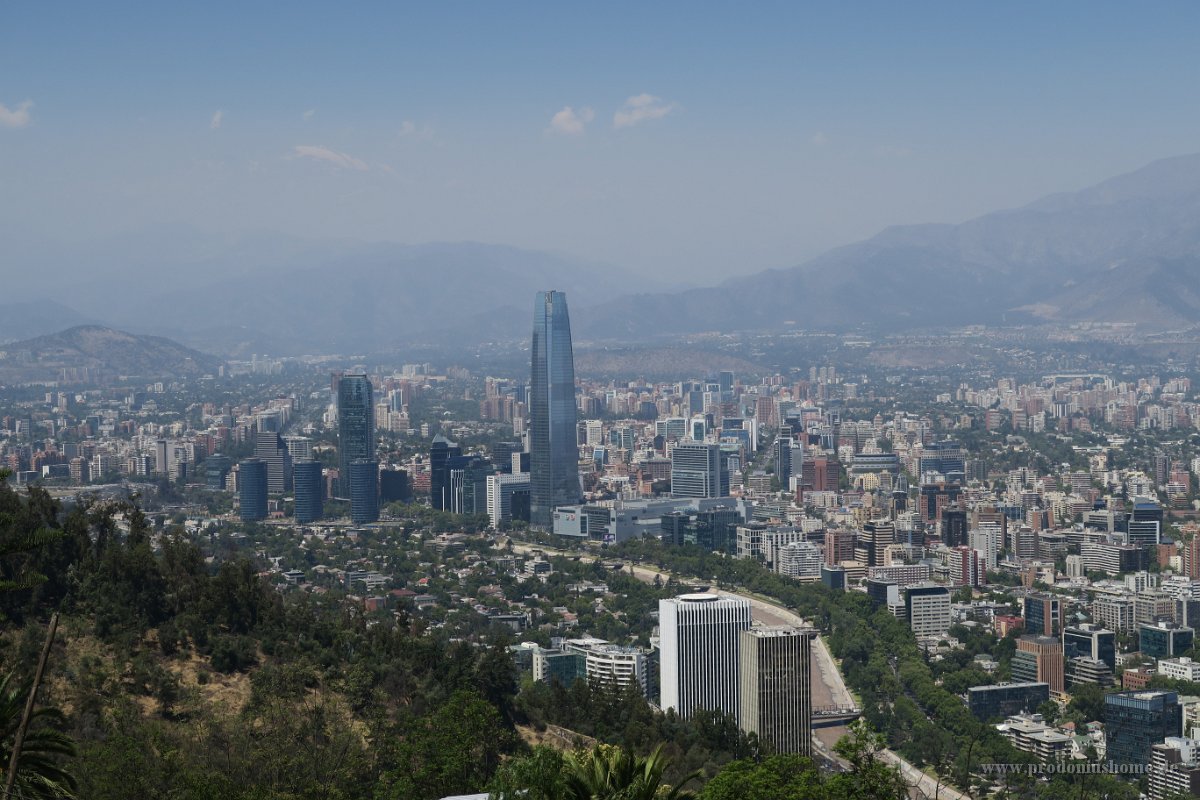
[(310, 491), (356, 425), (553, 454), (364, 491), (252, 489)]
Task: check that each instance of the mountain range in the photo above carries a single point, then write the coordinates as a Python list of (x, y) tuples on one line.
[(103, 352), (1125, 250)]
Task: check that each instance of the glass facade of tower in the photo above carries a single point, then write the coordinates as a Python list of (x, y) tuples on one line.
[(252, 489), (364, 491), (553, 454), (310, 490), (356, 425)]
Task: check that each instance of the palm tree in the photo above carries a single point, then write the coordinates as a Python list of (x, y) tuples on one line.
[(40, 773), (614, 773)]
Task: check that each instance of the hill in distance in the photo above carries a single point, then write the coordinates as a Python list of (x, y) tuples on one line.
[(101, 351), (287, 296), (1125, 250)]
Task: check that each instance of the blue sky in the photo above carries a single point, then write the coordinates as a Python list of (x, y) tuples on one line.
[(702, 140)]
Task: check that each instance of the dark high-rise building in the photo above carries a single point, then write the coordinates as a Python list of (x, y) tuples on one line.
[(1136, 721), (356, 425), (216, 469), (1006, 699), (270, 447), (394, 486), (954, 527), (468, 484), (364, 491), (441, 452), (553, 455), (1043, 614), (309, 487), (776, 687), (502, 454), (1091, 641), (1164, 640), (252, 489)]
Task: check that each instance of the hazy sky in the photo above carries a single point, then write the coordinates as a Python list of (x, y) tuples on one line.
[(697, 140)]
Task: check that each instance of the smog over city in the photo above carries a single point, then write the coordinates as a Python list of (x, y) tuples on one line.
[(486, 401)]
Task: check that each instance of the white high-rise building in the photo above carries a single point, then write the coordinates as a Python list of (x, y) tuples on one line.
[(800, 560), (986, 539), (500, 490), (698, 636)]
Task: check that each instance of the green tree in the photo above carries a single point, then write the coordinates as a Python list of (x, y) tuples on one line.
[(613, 773), (41, 774), (538, 776), (454, 750), (1087, 703), (775, 778)]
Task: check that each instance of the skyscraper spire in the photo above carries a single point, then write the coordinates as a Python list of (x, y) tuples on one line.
[(553, 453)]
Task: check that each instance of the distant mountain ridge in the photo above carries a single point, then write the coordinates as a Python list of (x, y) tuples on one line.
[(286, 296), (1125, 250), (101, 351)]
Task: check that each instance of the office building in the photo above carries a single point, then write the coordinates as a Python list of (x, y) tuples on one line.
[(1043, 614), (1092, 641), (394, 486), (875, 537), (252, 490), (699, 652), (928, 608), (1136, 721), (356, 425), (1006, 699), (468, 484), (1040, 659), (507, 497), (364, 491), (1164, 640), (954, 527), (442, 452), (713, 529), (833, 577), (698, 470), (309, 487), (559, 666), (553, 455), (776, 688), (271, 450), (216, 469)]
